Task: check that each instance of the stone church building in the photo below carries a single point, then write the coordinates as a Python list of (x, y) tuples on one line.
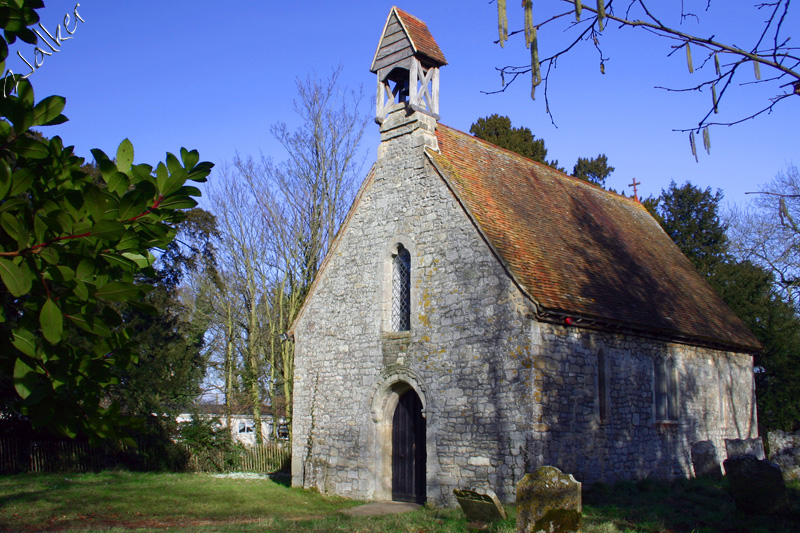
[(480, 315)]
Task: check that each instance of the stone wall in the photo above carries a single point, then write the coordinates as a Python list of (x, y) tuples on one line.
[(501, 392), (714, 392)]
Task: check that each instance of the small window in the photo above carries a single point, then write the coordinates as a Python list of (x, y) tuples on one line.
[(245, 426), (666, 389), (401, 289), (602, 387)]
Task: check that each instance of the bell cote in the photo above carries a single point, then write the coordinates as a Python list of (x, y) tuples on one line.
[(407, 63)]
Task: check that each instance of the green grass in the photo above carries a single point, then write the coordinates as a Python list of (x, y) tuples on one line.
[(123, 501)]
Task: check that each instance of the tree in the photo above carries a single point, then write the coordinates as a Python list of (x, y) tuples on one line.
[(690, 216), (70, 251), (497, 130), (239, 303), (594, 170), (295, 209), (767, 233), (723, 64), (750, 291), (170, 364)]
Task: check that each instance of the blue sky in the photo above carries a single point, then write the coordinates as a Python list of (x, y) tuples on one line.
[(214, 76)]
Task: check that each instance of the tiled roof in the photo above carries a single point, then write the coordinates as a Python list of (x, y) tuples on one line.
[(421, 38), (580, 250)]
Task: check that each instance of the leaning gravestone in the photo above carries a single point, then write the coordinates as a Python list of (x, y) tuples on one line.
[(784, 451), (757, 486), (549, 500), (739, 447), (705, 461), (480, 505)]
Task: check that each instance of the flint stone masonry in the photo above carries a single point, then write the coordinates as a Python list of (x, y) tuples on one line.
[(548, 500), (502, 393)]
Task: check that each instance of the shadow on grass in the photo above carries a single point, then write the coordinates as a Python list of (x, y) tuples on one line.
[(699, 505), (282, 478)]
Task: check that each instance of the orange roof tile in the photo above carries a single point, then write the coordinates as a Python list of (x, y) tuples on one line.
[(421, 38), (579, 249)]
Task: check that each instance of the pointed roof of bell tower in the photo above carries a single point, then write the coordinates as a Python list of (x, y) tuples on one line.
[(403, 36)]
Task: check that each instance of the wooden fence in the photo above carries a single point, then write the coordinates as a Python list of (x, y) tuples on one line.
[(22, 455)]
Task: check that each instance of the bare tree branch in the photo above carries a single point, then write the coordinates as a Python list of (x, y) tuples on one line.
[(770, 51)]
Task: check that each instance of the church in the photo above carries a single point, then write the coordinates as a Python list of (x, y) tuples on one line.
[(480, 315)]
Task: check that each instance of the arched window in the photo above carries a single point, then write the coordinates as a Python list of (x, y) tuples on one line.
[(401, 289), (666, 389)]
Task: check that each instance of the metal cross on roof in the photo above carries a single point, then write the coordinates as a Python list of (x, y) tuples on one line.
[(635, 192)]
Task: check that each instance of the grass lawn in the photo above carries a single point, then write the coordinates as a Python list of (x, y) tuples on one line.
[(200, 502)]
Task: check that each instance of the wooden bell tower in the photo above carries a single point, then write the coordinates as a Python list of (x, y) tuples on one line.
[(407, 63)]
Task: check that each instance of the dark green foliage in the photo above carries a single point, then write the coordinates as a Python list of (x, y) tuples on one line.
[(212, 445), (170, 364), (690, 216), (498, 131), (71, 252), (593, 170), (750, 291)]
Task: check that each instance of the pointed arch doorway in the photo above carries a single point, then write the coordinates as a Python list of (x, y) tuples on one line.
[(409, 456)]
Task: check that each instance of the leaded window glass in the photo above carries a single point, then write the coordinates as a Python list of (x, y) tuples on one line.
[(401, 290)]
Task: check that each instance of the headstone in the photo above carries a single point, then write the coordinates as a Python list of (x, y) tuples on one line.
[(480, 505), (549, 500), (784, 451), (739, 447), (705, 460), (757, 486)]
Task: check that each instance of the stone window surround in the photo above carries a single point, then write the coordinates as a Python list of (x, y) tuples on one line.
[(385, 275)]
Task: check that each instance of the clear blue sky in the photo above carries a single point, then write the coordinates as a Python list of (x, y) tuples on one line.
[(214, 76)]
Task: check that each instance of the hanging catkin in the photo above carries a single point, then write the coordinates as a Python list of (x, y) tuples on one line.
[(536, 68), (757, 69), (601, 13), (689, 58), (714, 96), (693, 145), (716, 64), (529, 27), (502, 22), (578, 7), (707, 140)]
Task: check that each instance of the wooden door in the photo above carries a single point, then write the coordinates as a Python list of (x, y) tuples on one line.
[(408, 450)]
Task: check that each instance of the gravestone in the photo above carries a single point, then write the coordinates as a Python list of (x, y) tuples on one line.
[(784, 451), (705, 461), (739, 447), (480, 505), (549, 500), (757, 486)]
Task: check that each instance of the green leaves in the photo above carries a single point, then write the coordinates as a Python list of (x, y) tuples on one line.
[(73, 253), (48, 111), (124, 156), (52, 322), (16, 279)]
